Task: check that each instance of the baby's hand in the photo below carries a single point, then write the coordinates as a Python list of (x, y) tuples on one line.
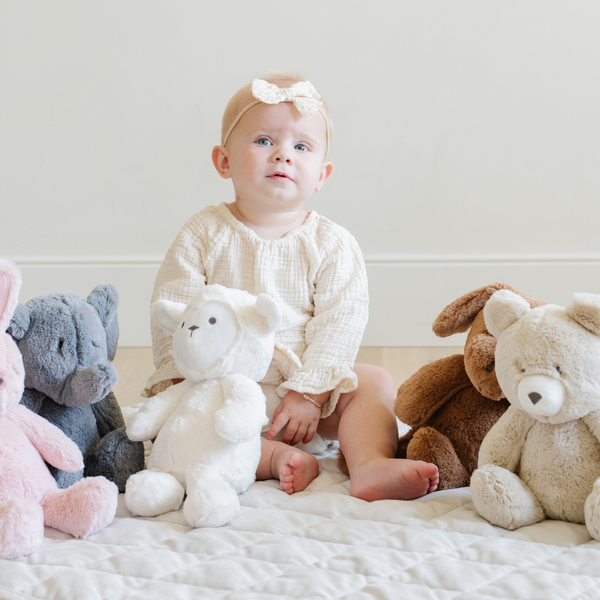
[(299, 417)]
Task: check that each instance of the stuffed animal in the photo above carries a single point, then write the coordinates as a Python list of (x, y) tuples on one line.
[(207, 428), (29, 498), (452, 403), (68, 343), (548, 364)]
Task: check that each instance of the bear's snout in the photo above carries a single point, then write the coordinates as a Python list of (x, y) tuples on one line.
[(541, 395)]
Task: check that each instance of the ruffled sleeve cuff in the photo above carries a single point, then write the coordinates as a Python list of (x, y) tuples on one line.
[(161, 380), (339, 380)]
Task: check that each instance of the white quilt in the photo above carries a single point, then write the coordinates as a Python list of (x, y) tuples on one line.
[(320, 543)]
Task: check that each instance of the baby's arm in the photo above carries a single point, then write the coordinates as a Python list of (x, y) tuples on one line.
[(181, 275), (334, 333), (244, 411), (53, 445), (150, 419)]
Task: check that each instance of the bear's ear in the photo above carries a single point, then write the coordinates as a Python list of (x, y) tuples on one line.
[(19, 324), (502, 310), (167, 314), (459, 315), (269, 309), (585, 309), (105, 299)]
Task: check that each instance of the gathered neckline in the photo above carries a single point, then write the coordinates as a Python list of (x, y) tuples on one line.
[(226, 214)]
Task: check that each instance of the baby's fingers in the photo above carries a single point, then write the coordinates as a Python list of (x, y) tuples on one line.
[(279, 422), (310, 433)]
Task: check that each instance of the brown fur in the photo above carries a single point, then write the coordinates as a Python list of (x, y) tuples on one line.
[(452, 403)]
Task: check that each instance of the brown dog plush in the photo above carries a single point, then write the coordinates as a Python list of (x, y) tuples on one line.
[(452, 403)]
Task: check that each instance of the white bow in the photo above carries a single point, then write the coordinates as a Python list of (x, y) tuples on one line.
[(302, 94)]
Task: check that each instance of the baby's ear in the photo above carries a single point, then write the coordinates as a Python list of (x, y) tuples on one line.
[(502, 310), (585, 309), (167, 314), (269, 309)]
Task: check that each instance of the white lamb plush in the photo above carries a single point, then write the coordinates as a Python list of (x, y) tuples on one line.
[(207, 428)]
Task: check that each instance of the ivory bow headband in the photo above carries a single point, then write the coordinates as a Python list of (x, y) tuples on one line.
[(302, 94)]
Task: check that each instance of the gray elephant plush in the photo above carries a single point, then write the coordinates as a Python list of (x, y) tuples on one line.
[(68, 344)]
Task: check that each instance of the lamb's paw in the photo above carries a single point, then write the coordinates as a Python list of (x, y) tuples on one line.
[(592, 511), (211, 501), (138, 427), (504, 499), (152, 493)]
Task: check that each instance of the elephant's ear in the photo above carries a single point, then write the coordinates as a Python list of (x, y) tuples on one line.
[(105, 299)]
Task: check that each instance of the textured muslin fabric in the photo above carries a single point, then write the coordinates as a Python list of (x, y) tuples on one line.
[(316, 273)]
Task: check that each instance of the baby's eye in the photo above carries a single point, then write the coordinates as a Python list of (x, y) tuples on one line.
[(301, 147), (263, 141)]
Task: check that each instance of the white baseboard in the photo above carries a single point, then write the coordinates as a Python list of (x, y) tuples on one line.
[(406, 293)]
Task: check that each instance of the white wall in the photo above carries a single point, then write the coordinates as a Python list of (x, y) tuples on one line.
[(465, 149)]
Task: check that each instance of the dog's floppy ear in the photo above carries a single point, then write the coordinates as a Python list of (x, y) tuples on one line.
[(459, 315)]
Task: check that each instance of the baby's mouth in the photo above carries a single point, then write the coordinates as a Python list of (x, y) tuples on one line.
[(280, 177)]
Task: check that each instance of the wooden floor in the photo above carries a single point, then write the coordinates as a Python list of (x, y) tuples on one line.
[(135, 366)]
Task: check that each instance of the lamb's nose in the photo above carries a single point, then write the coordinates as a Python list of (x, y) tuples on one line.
[(535, 397), (192, 329)]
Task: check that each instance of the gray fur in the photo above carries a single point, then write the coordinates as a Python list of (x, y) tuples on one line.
[(67, 344)]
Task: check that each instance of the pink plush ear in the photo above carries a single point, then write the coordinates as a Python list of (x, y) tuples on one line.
[(10, 284)]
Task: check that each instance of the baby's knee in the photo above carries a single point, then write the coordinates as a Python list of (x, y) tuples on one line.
[(376, 380)]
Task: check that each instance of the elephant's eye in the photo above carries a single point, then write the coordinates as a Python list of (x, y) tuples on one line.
[(212, 320), (61, 343)]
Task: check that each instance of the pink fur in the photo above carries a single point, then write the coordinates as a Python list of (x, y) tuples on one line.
[(28, 493)]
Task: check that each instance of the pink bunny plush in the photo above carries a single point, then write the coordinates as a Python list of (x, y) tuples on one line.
[(29, 497)]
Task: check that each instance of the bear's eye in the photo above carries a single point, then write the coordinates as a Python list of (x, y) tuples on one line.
[(212, 320), (522, 369), (558, 369)]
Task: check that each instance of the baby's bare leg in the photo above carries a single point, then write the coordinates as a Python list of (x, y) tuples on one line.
[(366, 427), (294, 468)]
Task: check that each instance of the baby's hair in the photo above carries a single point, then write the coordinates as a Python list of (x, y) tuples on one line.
[(244, 96)]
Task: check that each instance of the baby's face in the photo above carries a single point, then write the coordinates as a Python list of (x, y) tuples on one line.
[(276, 157)]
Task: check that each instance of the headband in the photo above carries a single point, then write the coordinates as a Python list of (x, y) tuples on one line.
[(302, 95)]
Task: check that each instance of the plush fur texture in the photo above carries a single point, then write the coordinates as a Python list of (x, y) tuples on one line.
[(29, 497), (68, 344), (207, 428), (542, 458), (452, 403)]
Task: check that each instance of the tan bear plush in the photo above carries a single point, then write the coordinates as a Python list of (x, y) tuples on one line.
[(453, 402), (548, 364)]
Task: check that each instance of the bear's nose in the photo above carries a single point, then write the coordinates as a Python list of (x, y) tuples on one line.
[(535, 397), (192, 329), (541, 395)]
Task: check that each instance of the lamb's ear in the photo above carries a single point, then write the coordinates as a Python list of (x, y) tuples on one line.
[(105, 299), (168, 314), (502, 310), (19, 324), (269, 309), (585, 309)]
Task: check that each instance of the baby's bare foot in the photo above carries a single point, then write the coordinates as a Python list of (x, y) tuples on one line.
[(294, 468), (393, 479)]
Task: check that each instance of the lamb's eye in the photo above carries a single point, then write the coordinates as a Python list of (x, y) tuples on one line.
[(183, 325), (491, 367), (558, 369), (212, 320)]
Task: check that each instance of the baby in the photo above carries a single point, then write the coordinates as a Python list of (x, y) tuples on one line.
[(274, 145)]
